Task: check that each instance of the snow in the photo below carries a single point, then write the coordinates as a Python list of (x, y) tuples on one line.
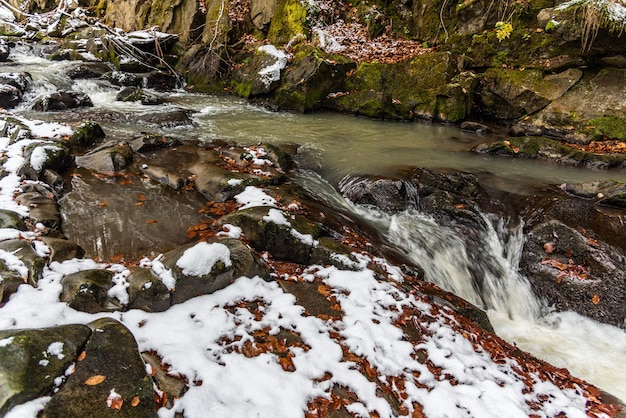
[(271, 73), (56, 349), (231, 231), (6, 341), (6, 15), (200, 259), (39, 156), (277, 217), (28, 409), (253, 196)]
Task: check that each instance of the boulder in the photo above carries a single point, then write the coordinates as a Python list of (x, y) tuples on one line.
[(261, 73), (86, 134), (44, 155), (33, 263), (9, 96), (117, 382), (87, 291), (62, 101), (62, 249), (122, 78), (135, 94), (42, 208), (571, 271), (108, 158), (147, 292), (88, 70), (206, 267), (285, 236), (147, 141), (10, 219), (20, 81), (35, 362), (511, 94)]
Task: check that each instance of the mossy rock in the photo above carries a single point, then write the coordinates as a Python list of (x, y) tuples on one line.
[(44, 155), (10, 219), (310, 78), (87, 134), (25, 252), (86, 291), (289, 20), (552, 150), (607, 127), (32, 360)]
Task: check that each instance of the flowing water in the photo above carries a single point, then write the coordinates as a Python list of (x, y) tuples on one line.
[(483, 268)]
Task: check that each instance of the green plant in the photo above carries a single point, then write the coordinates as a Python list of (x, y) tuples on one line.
[(503, 30)]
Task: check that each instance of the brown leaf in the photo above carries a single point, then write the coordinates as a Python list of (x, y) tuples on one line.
[(114, 400), (287, 364), (139, 203), (103, 205), (82, 356), (135, 401), (324, 290), (151, 221), (548, 247), (95, 380), (595, 299)]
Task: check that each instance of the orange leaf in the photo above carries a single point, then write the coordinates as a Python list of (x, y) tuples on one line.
[(103, 205), (548, 247), (135, 401), (82, 356), (151, 221), (139, 203), (95, 380), (595, 299), (324, 290), (114, 400), (287, 364)]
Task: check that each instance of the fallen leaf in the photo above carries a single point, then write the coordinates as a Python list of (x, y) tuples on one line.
[(114, 400), (287, 364), (151, 221), (135, 401), (82, 356), (95, 380), (548, 247), (103, 205), (595, 299), (138, 203), (324, 290)]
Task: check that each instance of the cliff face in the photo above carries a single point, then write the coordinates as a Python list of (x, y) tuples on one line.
[(555, 68)]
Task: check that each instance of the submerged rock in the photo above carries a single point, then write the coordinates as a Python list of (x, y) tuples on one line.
[(62, 101), (134, 94)]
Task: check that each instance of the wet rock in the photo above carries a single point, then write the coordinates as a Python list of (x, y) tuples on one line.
[(88, 70), (389, 195), (34, 362), (20, 81), (33, 263), (5, 51), (62, 249), (164, 176), (11, 281), (62, 101), (261, 74), (126, 390), (162, 81), (517, 130), (14, 129), (549, 149), (42, 208), (11, 29), (9, 96), (108, 158), (53, 179), (170, 118), (288, 242), (86, 291), (147, 292), (310, 78), (134, 94), (44, 155), (87, 134), (122, 78), (213, 274), (146, 141), (10, 219), (571, 271), (475, 127)]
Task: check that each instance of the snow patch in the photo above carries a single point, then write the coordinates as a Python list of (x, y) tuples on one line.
[(200, 259), (271, 73), (253, 197)]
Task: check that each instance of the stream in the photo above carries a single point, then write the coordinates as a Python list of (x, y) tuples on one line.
[(332, 146)]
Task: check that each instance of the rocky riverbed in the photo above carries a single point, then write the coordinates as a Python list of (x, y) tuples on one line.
[(236, 280)]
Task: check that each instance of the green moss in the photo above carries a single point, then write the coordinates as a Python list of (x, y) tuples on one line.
[(607, 127), (289, 20)]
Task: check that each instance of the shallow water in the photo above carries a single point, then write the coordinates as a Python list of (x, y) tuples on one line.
[(334, 145)]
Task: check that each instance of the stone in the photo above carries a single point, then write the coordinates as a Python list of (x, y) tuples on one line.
[(479, 128), (34, 362), (389, 195), (575, 271), (111, 352), (9, 96), (86, 70), (134, 94), (162, 81), (188, 285), (108, 158), (10, 219), (5, 51), (44, 155), (146, 141), (20, 81), (275, 238), (42, 208), (25, 252), (86, 291), (62, 101), (86, 134), (147, 292), (122, 78), (62, 249)]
